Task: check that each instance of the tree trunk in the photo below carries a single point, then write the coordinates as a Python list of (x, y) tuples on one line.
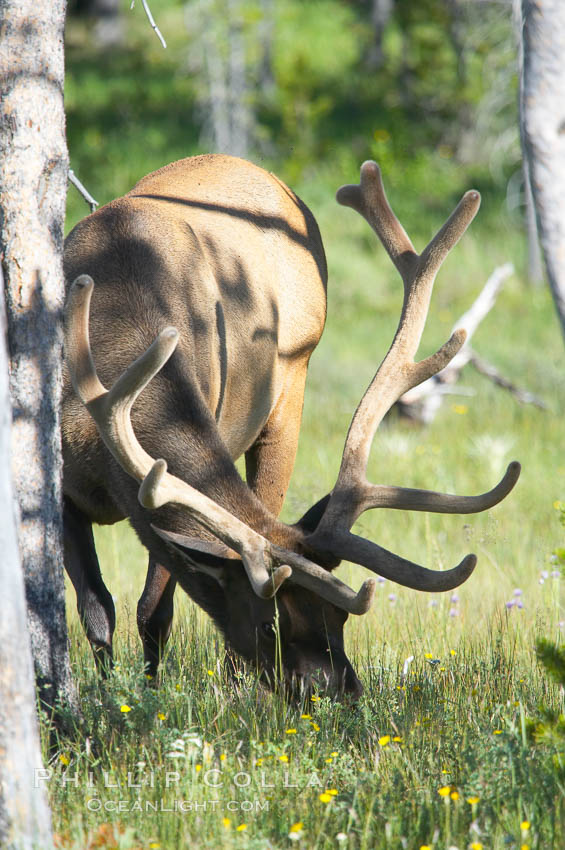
[(381, 11), (266, 75), (229, 102), (535, 262), (107, 20), (33, 182), (542, 123), (240, 106), (25, 820), (215, 76)]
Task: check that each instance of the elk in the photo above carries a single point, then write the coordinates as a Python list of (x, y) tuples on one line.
[(226, 265)]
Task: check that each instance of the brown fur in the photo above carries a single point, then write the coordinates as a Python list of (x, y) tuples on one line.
[(234, 260)]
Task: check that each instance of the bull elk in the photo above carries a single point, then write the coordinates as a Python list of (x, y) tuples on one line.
[(228, 265)]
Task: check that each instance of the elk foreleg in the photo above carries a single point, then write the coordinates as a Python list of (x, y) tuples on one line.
[(94, 601), (155, 615)]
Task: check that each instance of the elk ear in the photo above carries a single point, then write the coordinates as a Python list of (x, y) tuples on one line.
[(309, 522), (207, 556), (206, 585)]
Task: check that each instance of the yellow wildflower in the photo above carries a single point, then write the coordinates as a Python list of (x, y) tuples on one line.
[(297, 827), (125, 708), (473, 800), (525, 825), (384, 740), (454, 795), (452, 652), (198, 768), (428, 655), (210, 672), (64, 759), (259, 762), (397, 739), (325, 797), (315, 727), (497, 731), (329, 761), (291, 731), (223, 757), (306, 717), (444, 791), (334, 754), (476, 845), (333, 791), (381, 135), (226, 822), (283, 758), (242, 827)]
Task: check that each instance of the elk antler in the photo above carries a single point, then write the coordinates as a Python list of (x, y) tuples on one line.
[(352, 493), (111, 411)]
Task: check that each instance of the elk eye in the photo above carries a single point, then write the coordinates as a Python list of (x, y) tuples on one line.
[(268, 630)]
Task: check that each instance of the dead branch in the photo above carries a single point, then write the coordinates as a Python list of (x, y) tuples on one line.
[(151, 20), (490, 371), (92, 203), (423, 402)]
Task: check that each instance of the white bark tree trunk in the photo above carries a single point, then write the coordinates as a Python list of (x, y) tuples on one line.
[(25, 820), (33, 181), (542, 120), (221, 49), (381, 12)]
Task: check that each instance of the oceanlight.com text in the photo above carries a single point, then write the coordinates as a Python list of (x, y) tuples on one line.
[(94, 804)]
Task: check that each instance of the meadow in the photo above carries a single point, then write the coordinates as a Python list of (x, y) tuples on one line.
[(439, 752)]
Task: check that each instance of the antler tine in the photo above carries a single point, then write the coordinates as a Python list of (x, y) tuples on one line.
[(407, 499), (449, 235), (369, 200), (111, 411), (398, 373), (77, 341), (357, 549)]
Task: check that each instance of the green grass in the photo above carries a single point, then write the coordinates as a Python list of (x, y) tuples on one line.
[(461, 720), (460, 711)]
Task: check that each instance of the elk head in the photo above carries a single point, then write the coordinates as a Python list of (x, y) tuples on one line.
[(293, 564)]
